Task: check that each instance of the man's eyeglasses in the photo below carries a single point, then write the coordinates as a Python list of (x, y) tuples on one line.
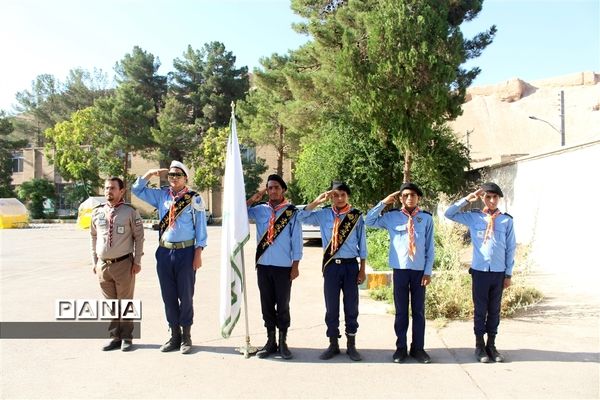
[(175, 174)]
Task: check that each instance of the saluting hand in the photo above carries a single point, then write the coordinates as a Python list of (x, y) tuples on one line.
[(155, 172), (475, 195), (391, 198), (322, 198), (256, 196)]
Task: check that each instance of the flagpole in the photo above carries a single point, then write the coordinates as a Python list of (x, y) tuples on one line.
[(249, 349)]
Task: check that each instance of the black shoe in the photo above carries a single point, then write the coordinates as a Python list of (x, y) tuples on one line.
[(285, 353), (174, 343), (420, 355), (332, 350), (351, 348), (112, 345), (186, 340), (127, 345), (493, 354), (480, 353), (270, 347), (491, 351), (400, 355)]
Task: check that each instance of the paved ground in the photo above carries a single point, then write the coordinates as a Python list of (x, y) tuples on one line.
[(553, 349)]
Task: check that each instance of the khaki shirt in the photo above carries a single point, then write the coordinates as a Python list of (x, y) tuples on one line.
[(128, 233)]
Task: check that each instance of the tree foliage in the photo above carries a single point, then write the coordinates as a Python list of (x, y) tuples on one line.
[(35, 192), (7, 146)]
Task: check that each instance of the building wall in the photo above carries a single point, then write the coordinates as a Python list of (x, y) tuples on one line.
[(552, 198)]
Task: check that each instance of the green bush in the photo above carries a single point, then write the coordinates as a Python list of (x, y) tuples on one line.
[(378, 245)]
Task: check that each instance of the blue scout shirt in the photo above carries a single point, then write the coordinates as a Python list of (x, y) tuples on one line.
[(287, 247), (356, 243), (396, 222), (184, 228), (497, 254)]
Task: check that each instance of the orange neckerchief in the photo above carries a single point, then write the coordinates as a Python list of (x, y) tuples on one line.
[(491, 216), (412, 245), (112, 214), (335, 240), (175, 197), (271, 228)]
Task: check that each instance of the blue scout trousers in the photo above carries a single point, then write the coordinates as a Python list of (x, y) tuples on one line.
[(275, 289), (487, 297), (177, 278), (341, 277), (408, 281)]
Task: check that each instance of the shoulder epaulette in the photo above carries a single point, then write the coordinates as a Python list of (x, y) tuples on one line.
[(327, 206), (426, 212), (393, 209), (508, 215), (99, 205), (477, 210), (259, 203), (130, 205), (292, 207)]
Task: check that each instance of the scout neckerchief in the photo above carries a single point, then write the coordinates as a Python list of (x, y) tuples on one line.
[(276, 226), (112, 215), (181, 200), (490, 216), (412, 245), (344, 229), (336, 225)]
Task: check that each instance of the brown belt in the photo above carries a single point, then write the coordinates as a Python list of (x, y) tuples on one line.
[(176, 245), (115, 260)]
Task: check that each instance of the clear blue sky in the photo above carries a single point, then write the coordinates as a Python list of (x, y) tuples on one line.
[(536, 38)]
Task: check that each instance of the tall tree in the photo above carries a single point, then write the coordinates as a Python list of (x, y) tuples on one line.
[(7, 146), (266, 110), (139, 69), (398, 64), (207, 81)]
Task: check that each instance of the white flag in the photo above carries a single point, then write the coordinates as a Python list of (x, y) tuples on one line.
[(235, 233)]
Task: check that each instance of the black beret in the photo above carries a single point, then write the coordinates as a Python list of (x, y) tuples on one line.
[(493, 188), (277, 178), (337, 185), (411, 186)]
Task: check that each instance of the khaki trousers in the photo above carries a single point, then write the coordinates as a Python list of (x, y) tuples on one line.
[(117, 282)]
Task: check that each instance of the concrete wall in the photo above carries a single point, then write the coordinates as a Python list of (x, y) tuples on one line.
[(553, 199)]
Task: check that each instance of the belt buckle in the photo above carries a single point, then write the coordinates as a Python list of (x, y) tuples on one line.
[(338, 261), (108, 262)]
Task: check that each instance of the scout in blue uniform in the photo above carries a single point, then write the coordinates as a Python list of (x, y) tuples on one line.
[(182, 236), (278, 254), (344, 240), (411, 258), (494, 245)]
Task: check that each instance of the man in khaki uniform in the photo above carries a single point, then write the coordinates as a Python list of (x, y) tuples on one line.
[(117, 235)]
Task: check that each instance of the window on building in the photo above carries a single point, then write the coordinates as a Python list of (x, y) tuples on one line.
[(17, 161)]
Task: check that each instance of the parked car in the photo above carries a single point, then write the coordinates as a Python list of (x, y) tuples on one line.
[(309, 231)]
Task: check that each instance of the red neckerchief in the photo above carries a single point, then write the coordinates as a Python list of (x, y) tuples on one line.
[(175, 197), (412, 245), (491, 216), (112, 214), (335, 240), (271, 228)]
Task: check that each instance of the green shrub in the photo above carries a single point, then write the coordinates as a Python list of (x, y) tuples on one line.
[(378, 245), (382, 293)]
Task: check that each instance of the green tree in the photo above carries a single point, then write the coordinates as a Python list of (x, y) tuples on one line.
[(35, 192), (265, 111), (209, 159), (139, 70), (207, 82), (7, 146), (72, 147), (396, 64), (174, 136), (252, 174)]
